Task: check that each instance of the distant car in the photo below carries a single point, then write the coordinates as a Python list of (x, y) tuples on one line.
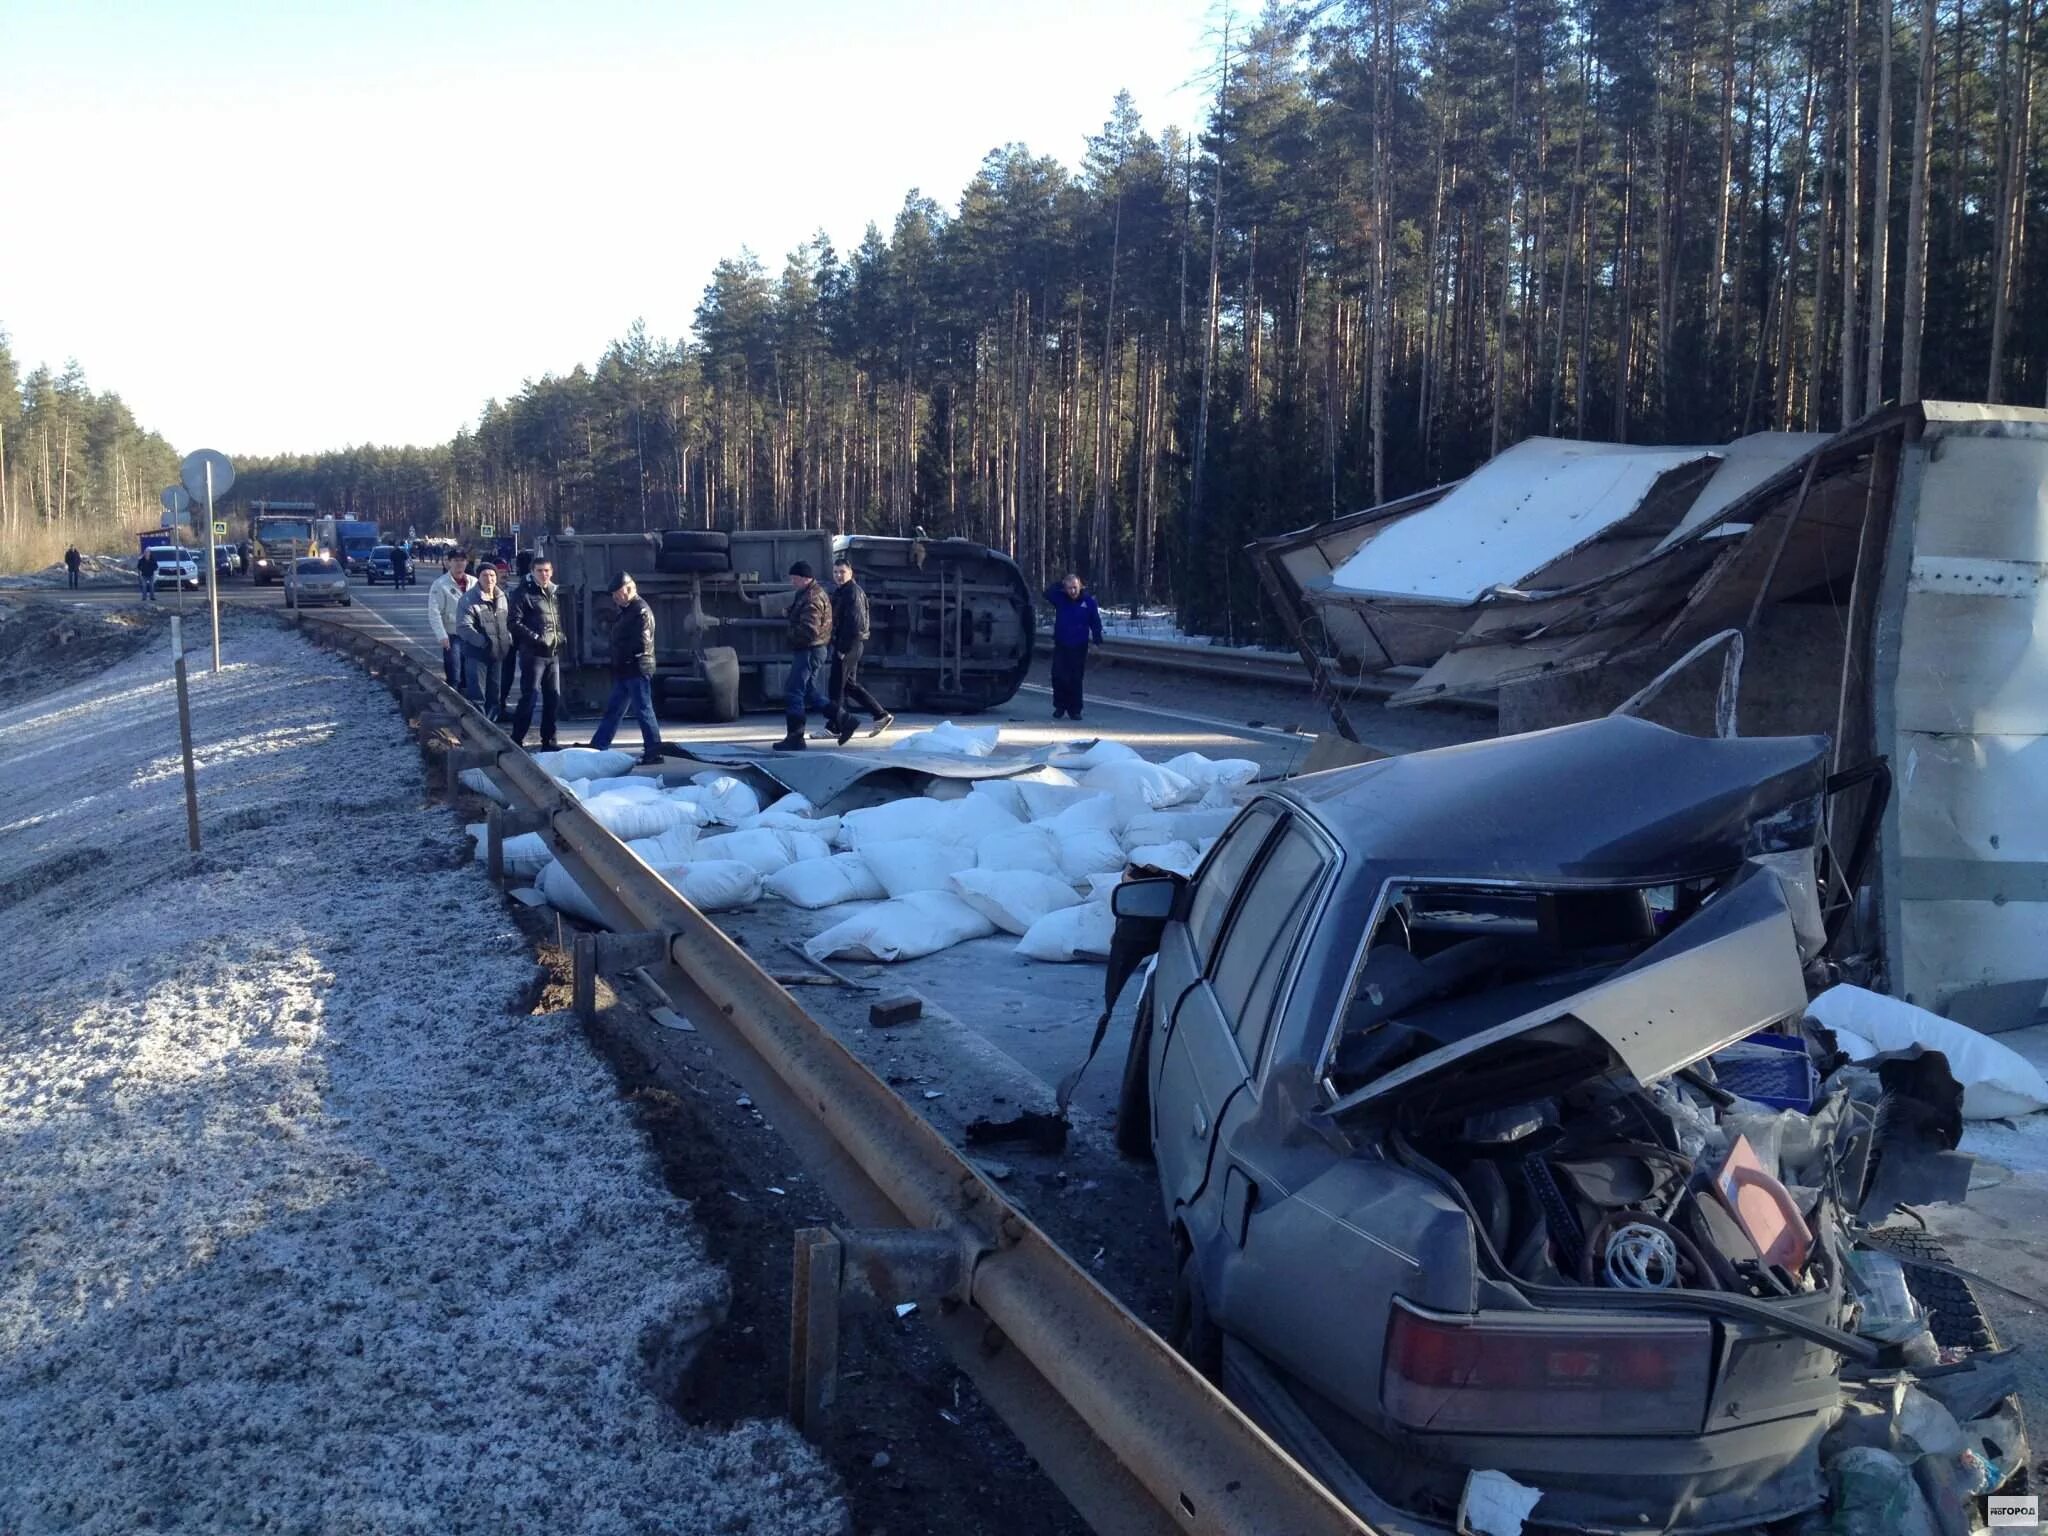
[(317, 580), (177, 568), (380, 568), (226, 561)]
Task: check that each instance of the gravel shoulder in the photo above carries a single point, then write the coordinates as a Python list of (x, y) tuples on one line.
[(308, 1223)]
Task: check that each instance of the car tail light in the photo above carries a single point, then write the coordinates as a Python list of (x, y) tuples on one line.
[(1536, 1374)]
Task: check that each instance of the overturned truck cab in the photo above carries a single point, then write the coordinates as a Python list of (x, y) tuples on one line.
[(952, 626), (1494, 1138)]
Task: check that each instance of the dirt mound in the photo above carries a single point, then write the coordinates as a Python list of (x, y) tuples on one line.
[(48, 645)]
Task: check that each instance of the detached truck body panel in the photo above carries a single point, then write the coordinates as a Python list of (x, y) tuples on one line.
[(951, 626)]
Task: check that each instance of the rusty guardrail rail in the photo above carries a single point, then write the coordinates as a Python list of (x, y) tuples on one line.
[(1136, 1438)]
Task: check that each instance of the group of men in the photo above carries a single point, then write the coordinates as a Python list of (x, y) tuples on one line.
[(487, 635)]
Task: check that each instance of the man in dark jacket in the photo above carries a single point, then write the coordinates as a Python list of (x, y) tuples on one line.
[(536, 619), (849, 639), (484, 624), (1075, 621), (632, 671), (72, 560), (401, 567), (810, 635), (145, 570)]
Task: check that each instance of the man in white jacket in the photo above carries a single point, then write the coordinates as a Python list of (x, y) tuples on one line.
[(444, 600)]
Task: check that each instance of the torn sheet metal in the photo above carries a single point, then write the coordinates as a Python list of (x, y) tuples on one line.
[(1520, 513), (822, 774), (1746, 463)]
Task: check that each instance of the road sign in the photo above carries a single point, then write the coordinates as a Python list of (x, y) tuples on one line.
[(193, 472), (488, 530), (220, 530), (176, 501), (515, 527)]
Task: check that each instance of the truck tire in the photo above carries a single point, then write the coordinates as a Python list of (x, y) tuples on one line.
[(721, 664), (692, 562), (696, 540), (1959, 1319)]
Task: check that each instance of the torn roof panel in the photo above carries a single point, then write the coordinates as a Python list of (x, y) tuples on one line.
[(1746, 464), (1521, 512)]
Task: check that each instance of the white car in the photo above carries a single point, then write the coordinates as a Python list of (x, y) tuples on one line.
[(177, 568)]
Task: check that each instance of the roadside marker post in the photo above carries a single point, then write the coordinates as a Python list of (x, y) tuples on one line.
[(207, 474), (185, 728)]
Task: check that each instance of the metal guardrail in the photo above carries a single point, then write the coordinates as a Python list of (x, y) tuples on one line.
[(1134, 1436)]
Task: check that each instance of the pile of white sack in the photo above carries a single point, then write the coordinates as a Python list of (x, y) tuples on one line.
[(1036, 855)]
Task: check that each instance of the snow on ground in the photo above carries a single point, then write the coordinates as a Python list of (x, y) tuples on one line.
[(301, 1226), (93, 570)]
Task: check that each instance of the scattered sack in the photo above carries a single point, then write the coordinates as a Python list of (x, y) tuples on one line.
[(1092, 813), (1090, 853), (909, 864), (1140, 786), (629, 817), (1998, 1082), (585, 763), (1012, 899), (725, 799), (826, 827), (1184, 826), (678, 845), (525, 855), (563, 893), (475, 781), (815, 883), (912, 816), (1042, 802), (960, 740), (1096, 753), (1208, 772), (1079, 932), (1176, 857), (943, 788), (1100, 887), (974, 817), (791, 804), (764, 849), (908, 928), (712, 885), (1007, 793), (635, 788), (1033, 847)]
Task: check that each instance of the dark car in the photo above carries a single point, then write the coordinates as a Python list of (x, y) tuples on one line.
[(380, 568), (1427, 1061)]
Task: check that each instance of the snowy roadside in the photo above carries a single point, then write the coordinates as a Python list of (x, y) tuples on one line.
[(304, 1227)]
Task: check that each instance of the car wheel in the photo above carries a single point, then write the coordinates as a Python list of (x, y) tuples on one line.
[(1193, 1332), (348, 602), (1134, 1098)]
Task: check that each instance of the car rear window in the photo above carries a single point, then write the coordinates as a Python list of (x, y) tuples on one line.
[(317, 567), (1263, 934), (1220, 876)]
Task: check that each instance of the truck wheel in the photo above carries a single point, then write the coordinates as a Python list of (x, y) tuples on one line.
[(691, 562), (721, 664), (1134, 1098), (696, 540), (1958, 1315)]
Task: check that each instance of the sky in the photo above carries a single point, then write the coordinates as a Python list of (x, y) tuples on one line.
[(281, 227)]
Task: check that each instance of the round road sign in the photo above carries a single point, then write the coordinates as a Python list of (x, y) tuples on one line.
[(175, 501), (193, 472)]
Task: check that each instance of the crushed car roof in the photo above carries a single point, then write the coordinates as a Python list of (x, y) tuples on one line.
[(1618, 798)]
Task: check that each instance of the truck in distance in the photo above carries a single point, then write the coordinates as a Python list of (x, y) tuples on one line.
[(280, 532)]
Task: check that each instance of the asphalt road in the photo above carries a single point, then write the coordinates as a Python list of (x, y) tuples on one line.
[(1157, 714)]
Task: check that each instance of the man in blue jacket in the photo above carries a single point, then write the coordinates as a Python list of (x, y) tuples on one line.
[(1075, 621)]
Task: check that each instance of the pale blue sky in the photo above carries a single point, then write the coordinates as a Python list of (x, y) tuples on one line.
[(287, 226)]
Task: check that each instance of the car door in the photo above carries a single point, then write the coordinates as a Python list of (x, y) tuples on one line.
[(1199, 1067)]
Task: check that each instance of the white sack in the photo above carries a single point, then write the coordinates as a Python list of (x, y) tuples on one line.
[(474, 780), (1012, 899), (1140, 786), (629, 817), (826, 827), (1073, 933), (1092, 813), (1998, 1082), (960, 740), (525, 855), (1184, 826), (1100, 887), (791, 804), (909, 864), (1227, 772), (1175, 857), (1098, 753), (764, 849), (912, 816), (826, 882), (1033, 847), (1090, 853), (922, 923), (712, 885), (635, 788), (678, 845), (943, 788), (1007, 793), (565, 895), (585, 763), (724, 798), (973, 818), (1042, 802)]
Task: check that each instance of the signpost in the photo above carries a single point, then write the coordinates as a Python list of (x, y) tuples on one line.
[(207, 474), (185, 726)]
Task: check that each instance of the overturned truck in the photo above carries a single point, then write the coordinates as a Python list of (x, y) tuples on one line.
[(951, 621), (1881, 586)]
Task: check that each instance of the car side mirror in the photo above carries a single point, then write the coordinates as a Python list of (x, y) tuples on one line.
[(1152, 899)]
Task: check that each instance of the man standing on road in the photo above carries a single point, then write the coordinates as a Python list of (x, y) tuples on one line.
[(810, 635), (72, 560), (485, 628), (536, 617), (849, 639), (401, 567), (1075, 621), (444, 600), (632, 671), (145, 570)]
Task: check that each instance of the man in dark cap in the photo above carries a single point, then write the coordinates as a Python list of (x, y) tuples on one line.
[(632, 671), (849, 639), (810, 635)]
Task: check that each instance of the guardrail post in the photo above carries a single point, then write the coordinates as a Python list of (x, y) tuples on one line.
[(814, 1331), (459, 759), (595, 953)]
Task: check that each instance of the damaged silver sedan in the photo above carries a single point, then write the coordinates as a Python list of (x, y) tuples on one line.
[(1492, 1142)]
